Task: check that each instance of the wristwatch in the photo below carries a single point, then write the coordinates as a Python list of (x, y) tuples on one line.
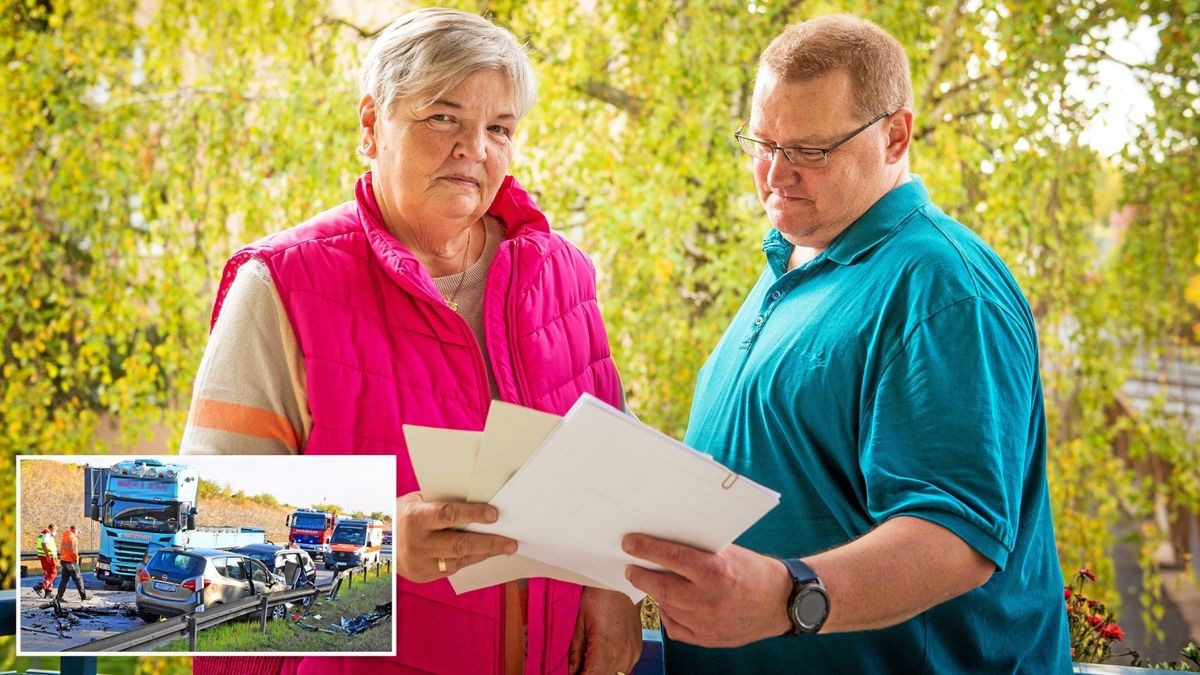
[(808, 605)]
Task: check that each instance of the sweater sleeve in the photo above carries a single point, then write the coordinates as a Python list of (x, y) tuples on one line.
[(249, 396)]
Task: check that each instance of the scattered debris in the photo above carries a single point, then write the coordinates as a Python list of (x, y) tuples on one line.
[(361, 623), (39, 630), (313, 628), (353, 626)]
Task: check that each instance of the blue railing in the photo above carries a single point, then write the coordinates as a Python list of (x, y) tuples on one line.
[(651, 662)]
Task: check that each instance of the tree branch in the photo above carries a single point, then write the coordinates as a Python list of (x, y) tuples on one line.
[(364, 33), (942, 97), (941, 52), (966, 114), (612, 96)]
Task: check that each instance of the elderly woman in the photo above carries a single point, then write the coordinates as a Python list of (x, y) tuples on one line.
[(439, 287)]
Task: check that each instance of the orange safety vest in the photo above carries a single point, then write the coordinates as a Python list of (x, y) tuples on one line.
[(70, 547)]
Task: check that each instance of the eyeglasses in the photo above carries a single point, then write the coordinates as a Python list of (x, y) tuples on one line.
[(810, 157)]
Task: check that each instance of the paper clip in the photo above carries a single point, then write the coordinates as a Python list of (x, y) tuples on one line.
[(729, 480)]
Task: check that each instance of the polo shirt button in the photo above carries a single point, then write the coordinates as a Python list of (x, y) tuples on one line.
[(776, 295), (758, 320)]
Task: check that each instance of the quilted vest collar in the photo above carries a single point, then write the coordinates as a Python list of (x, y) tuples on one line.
[(513, 206)]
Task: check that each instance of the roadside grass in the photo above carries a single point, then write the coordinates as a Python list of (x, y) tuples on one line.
[(287, 636)]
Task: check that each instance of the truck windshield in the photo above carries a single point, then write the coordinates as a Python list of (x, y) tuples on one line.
[(308, 521), (349, 534), (142, 516)]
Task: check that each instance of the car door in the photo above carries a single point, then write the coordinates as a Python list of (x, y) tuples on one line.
[(309, 567), (234, 585), (264, 582)]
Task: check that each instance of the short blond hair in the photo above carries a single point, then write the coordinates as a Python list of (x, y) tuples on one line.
[(875, 60), (424, 54)]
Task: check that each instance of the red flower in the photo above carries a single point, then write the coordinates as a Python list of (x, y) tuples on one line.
[(1066, 594), (1113, 632), (1095, 621), (1093, 603), (1083, 571)]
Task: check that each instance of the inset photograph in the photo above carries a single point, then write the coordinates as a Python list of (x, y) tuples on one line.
[(214, 555)]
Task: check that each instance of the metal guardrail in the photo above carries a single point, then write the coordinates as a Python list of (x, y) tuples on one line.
[(187, 626), (30, 556), (348, 575)]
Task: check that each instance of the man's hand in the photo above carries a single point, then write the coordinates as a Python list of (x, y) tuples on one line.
[(608, 634), (725, 599), (426, 545)]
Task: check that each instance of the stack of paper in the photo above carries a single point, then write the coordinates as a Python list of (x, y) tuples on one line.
[(569, 489)]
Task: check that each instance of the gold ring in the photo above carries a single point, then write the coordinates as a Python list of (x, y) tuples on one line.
[(442, 565)]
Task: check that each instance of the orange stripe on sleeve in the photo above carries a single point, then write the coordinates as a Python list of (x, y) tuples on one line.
[(244, 419)]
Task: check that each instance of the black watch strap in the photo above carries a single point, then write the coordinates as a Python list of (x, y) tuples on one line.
[(808, 603)]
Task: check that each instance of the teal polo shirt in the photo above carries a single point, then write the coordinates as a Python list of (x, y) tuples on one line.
[(895, 374)]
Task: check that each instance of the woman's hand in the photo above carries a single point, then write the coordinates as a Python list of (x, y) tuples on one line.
[(426, 547), (608, 634)]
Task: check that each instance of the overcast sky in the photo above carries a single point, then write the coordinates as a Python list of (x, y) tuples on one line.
[(364, 483)]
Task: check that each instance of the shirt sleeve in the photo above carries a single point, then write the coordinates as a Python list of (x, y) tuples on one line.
[(951, 430), (249, 396)]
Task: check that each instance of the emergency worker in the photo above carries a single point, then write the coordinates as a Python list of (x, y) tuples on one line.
[(47, 553), (70, 564)]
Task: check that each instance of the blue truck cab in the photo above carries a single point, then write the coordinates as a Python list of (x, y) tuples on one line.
[(143, 505)]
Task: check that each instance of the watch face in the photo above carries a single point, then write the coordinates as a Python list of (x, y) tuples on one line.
[(811, 608)]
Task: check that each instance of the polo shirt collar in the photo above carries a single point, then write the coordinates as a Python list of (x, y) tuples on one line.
[(863, 234)]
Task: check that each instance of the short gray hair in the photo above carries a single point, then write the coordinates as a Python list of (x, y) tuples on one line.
[(426, 53)]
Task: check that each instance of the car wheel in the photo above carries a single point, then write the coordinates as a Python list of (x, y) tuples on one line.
[(148, 617), (310, 600), (278, 612)]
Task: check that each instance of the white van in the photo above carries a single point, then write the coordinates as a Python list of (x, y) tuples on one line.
[(355, 542)]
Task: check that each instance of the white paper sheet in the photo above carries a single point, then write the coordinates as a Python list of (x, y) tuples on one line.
[(443, 460), (511, 434), (602, 474)]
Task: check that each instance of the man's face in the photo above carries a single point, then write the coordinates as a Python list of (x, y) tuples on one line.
[(811, 206)]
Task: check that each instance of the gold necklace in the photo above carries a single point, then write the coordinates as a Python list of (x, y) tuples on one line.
[(462, 275)]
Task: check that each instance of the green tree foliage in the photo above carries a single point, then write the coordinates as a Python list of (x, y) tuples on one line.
[(140, 145), (207, 489), (265, 499), (329, 508)]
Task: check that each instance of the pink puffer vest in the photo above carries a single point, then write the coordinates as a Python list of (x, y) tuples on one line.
[(382, 349)]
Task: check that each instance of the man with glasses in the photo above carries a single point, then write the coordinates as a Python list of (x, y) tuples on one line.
[(883, 376)]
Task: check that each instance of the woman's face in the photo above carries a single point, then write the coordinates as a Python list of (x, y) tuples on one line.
[(440, 166)]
